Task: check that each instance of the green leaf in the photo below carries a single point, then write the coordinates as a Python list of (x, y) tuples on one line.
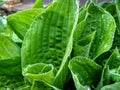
[(81, 23), (118, 11), (84, 72), (11, 82), (82, 47), (111, 8), (16, 39), (20, 22), (103, 23), (38, 4), (49, 39), (8, 49), (10, 64), (39, 72), (79, 29), (105, 78), (114, 60), (24, 87), (83, 13), (43, 86), (112, 63), (115, 75), (115, 86)]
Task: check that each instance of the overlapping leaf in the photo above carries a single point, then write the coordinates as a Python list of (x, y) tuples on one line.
[(10, 64), (49, 39), (108, 72), (115, 86), (84, 71), (103, 23), (38, 4), (20, 22), (118, 11)]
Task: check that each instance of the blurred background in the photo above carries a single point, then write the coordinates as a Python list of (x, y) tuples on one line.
[(10, 6)]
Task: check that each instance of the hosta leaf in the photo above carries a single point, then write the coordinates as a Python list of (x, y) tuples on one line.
[(118, 11), (11, 82), (43, 86), (8, 49), (10, 64), (38, 4), (111, 8), (112, 63), (20, 22), (84, 71), (81, 23), (83, 13), (114, 60), (79, 29), (40, 72), (116, 42), (82, 47), (115, 74), (105, 78), (115, 86), (103, 23), (24, 88), (49, 39), (16, 39)]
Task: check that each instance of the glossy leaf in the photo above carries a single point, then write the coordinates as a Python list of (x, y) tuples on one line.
[(82, 47), (118, 11), (115, 86), (103, 23), (8, 49), (111, 8), (10, 64), (43, 86), (38, 4), (49, 39), (20, 22), (112, 63), (114, 60), (11, 82), (81, 23), (84, 71), (115, 74), (40, 72), (24, 88)]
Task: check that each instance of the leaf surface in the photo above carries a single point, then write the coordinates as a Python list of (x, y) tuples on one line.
[(38, 4), (20, 22), (118, 11), (49, 39), (108, 73), (115, 86), (84, 71), (103, 23)]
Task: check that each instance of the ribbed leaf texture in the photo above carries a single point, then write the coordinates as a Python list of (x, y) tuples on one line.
[(20, 22), (49, 39)]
